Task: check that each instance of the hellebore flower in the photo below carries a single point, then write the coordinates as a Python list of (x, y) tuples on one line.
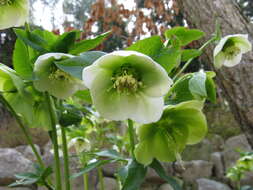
[(229, 50), (54, 80), (13, 13), (164, 140), (127, 85)]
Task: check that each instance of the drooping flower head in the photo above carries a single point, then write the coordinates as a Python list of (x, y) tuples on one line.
[(164, 140), (127, 85), (54, 80), (229, 50), (13, 13)]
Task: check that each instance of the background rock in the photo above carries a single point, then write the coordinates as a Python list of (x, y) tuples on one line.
[(207, 184), (26, 150), (12, 162)]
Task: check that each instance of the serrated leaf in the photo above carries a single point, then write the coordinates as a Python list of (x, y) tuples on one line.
[(149, 46), (112, 154), (184, 34), (190, 54), (21, 60), (161, 172), (169, 58), (135, 176), (33, 40), (91, 166), (89, 44), (197, 84), (74, 66), (64, 42), (84, 95)]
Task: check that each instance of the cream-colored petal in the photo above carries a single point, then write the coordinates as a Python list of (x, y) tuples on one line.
[(219, 60), (232, 62)]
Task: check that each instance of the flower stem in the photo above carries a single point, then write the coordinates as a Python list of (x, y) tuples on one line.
[(131, 136), (85, 181), (190, 60), (24, 130), (66, 159), (101, 179), (55, 141)]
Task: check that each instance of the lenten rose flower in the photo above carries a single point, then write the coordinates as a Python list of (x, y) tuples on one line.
[(127, 85), (229, 50), (13, 13), (51, 79), (164, 140)]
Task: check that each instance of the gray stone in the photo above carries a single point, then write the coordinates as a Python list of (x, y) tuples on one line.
[(165, 187), (28, 152), (200, 151), (231, 145), (217, 160), (17, 188), (109, 184), (110, 169), (192, 170), (217, 142), (207, 184), (12, 162)]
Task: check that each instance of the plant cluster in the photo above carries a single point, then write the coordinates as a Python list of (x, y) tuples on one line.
[(81, 97)]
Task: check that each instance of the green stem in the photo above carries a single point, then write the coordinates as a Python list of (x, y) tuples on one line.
[(190, 60), (131, 136), (55, 141), (85, 181), (101, 179), (24, 130), (66, 159)]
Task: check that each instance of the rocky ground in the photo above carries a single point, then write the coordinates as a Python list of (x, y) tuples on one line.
[(204, 169)]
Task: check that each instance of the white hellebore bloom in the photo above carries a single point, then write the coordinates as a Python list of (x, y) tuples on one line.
[(229, 50), (13, 13), (127, 85), (53, 80)]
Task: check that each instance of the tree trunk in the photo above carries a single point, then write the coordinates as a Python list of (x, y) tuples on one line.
[(235, 82)]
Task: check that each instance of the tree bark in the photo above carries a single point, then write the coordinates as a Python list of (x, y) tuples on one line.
[(235, 82)]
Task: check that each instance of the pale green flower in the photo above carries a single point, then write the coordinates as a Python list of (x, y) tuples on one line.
[(13, 13), (80, 144), (53, 80), (229, 50), (164, 140), (127, 85)]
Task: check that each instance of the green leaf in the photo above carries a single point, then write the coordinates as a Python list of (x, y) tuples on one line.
[(86, 45), (161, 172), (91, 166), (135, 175), (84, 95), (149, 46), (190, 54), (112, 154), (33, 40), (74, 66), (21, 60), (197, 84), (64, 43), (184, 34), (169, 58), (70, 115)]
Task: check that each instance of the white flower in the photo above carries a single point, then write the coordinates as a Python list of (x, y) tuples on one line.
[(13, 13), (127, 85), (229, 50), (54, 80)]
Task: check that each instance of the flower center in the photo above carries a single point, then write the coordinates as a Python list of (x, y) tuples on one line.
[(231, 52), (126, 80), (57, 74), (6, 2)]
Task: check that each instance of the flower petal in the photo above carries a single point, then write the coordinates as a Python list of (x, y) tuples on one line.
[(243, 43), (219, 60), (89, 74), (232, 62), (153, 76)]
